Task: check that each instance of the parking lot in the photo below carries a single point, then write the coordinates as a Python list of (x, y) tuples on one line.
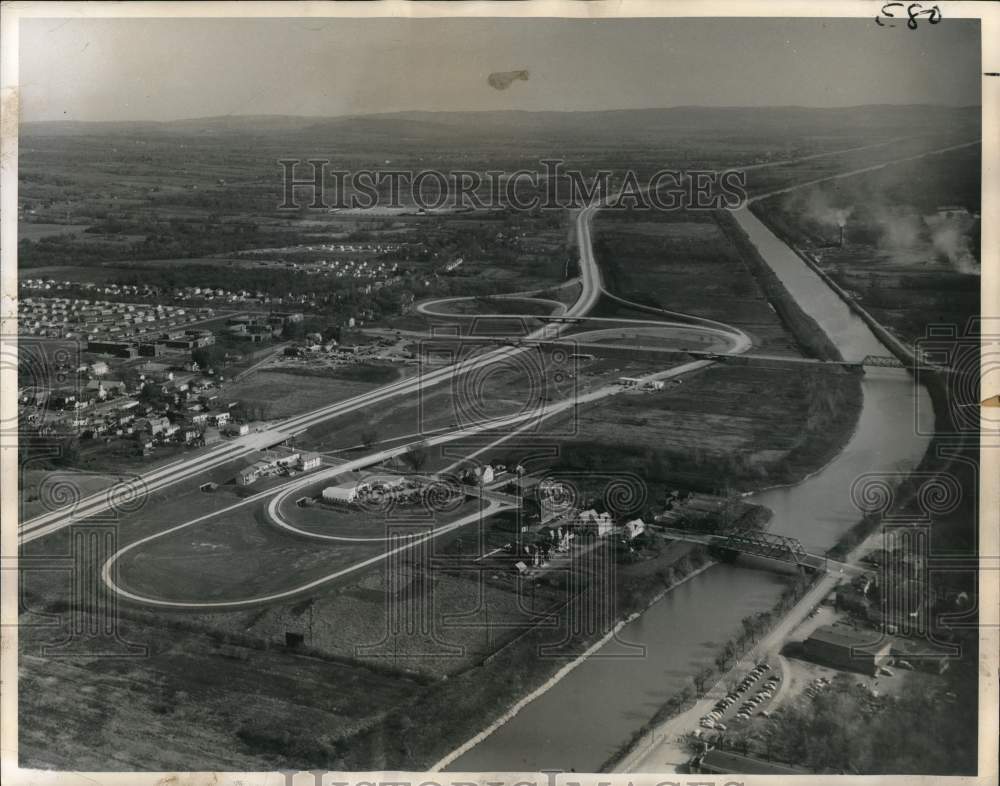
[(750, 697)]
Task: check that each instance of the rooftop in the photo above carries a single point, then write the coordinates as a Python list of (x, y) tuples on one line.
[(727, 761), (837, 635)]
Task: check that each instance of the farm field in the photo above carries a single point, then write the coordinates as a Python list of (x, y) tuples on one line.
[(521, 384), (909, 143), (35, 231), (286, 393), (209, 698), (906, 257), (43, 490), (242, 554), (404, 616), (685, 263), (405, 658), (749, 427)]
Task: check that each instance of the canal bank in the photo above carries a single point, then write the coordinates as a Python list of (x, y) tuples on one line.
[(588, 716)]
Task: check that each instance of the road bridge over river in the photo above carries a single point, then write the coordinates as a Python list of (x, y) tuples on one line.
[(766, 545)]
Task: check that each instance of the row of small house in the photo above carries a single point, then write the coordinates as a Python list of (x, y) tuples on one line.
[(550, 539), (97, 320), (158, 429), (272, 465), (183, 385)]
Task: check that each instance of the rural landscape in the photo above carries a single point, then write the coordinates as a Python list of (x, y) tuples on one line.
[(477, 488)]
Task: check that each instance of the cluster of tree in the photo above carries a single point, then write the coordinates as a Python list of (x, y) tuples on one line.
[(47, 451), (928, 728), (252, 409), (161, 240)]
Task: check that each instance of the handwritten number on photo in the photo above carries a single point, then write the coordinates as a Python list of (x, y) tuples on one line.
[(914, 12)]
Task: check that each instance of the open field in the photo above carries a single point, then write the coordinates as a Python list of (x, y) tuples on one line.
[(750, 427), (286, 394), (684, 262), (906, 259), (241, 555), (520, 384), (219, 704), (393, 665), (45, 489), (405, 616), (495, 305), (965, 128)]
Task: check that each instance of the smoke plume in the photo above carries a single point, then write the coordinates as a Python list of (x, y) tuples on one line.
[(950, 240)]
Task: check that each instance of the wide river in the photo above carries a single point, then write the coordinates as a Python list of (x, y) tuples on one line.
[(586, 716)]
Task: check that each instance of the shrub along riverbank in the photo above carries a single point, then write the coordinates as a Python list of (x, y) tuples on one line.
[(752, 629), (442, 716)]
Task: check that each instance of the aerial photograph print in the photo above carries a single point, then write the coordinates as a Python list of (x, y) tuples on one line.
[(453, 391)]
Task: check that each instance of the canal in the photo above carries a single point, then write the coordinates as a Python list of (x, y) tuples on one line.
[(596, 707)]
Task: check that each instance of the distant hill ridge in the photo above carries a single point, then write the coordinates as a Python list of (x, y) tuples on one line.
[(627, 123)]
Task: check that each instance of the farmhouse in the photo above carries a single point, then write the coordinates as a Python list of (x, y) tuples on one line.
[(246, 476), (310, 461), (601, 523), (634, 528)]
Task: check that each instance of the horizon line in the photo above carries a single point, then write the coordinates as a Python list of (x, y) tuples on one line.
[(274, 115)]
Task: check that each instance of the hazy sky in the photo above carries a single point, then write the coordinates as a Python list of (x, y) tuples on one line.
[(162, 69)]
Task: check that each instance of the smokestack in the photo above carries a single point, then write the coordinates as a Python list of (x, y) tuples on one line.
[(841, 235)]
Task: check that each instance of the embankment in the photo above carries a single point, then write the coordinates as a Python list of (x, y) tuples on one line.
[(810, 336)]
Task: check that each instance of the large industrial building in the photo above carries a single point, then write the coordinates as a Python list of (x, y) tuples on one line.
[(847, 648)]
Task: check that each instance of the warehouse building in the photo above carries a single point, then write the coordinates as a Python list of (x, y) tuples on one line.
[(344, 494), (718, 762), (846, 648)]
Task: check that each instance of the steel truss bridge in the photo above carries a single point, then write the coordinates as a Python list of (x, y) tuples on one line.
[(767, 545), (879, 361)]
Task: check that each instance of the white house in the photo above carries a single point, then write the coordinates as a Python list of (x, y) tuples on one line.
[(634, 528), (601, 522), (344, 495), (310, 461)]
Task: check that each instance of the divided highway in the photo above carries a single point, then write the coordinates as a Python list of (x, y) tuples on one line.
[(99, 502)]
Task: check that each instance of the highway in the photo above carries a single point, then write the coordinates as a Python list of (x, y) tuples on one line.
[(592, 288), (281, 495), (162, 477)]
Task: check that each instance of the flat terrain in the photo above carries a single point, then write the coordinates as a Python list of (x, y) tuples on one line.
[(192, 702), (906, 258), (351, 676), (286, 394), (748, 426), (525, 383), (242, 555), (684, 262)]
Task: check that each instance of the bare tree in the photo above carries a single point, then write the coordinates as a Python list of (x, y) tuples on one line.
[(369, 435), (417, 456)]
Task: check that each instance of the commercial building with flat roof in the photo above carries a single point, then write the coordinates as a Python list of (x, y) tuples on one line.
[(848, 648), (716, 762)]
